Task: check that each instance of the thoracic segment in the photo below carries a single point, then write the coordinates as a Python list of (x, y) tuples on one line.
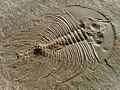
[(70, 38), (79, 51)]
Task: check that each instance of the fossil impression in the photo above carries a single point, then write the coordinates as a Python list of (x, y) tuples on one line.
[(71, 41), (67, 39)]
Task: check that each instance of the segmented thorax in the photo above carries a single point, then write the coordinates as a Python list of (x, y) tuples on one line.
[(75, 40), (67, 38)]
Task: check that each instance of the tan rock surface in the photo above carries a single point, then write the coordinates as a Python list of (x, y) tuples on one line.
[(20, 25)]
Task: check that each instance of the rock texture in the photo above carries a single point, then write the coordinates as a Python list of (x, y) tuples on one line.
[(20, 28)]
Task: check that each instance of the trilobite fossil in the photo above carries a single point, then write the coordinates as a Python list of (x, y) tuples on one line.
[(71, 42), (65, 33)]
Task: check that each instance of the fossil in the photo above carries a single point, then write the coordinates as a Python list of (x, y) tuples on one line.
[(69, 34), (72, 41)]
